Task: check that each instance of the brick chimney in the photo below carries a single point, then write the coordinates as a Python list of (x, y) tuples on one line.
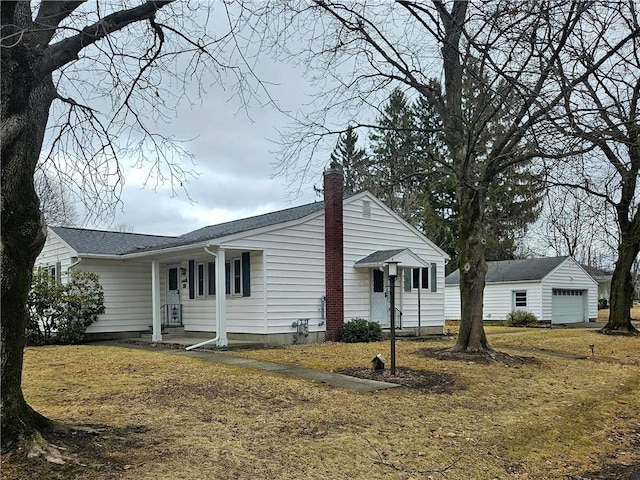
[(333, 251)]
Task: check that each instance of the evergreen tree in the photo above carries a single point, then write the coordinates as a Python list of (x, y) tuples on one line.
[(352, 160), (395, 165)]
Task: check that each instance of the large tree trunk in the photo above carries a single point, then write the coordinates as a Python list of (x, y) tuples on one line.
[(622, 291), (25, 105), (473, 269)]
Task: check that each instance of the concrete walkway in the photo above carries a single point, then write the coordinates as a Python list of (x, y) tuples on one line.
[(320, 376)]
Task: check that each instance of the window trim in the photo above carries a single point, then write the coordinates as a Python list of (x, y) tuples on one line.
[(518, 302), (420, 273)]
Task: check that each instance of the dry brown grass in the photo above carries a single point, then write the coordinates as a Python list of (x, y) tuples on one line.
[(603, 315), (168, 416)]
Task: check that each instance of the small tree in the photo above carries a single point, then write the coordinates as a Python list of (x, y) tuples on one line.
[(61, 313)]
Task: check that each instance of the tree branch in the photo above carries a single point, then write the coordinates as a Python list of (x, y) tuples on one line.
[(67, 50)]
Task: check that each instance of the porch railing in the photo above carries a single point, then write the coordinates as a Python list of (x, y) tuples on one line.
[(399, 318), (172, 314)]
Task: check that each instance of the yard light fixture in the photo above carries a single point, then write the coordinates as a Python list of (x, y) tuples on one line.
[(392, 268)]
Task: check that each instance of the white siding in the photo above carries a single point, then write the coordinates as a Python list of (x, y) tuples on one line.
[(55, 251), (127, 295), (291, 261), (384, 231), (126, 285), (244, 314), (569, 276), (497, 300), (452, 302), (294, 258)]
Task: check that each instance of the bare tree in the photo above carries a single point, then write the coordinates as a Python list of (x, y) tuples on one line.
[(55, 201), (576, 224), (101, 75), (602, 110), (509, 52)]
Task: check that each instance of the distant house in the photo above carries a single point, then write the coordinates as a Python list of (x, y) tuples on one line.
[(555, 290), (297, 273)]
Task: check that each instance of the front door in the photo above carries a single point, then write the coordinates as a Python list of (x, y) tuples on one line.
[(379, 306), (173, 310)]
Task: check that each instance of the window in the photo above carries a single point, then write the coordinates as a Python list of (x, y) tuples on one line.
[(237, 276), (173, 279), (520, 299), (54, 272), (378, 281), (421, 278), (366, 209), (235, 273)]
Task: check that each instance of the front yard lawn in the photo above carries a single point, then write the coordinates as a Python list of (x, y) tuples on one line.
[(154, 415)]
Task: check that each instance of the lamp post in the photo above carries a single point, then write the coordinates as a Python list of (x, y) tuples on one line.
[(393, 273)]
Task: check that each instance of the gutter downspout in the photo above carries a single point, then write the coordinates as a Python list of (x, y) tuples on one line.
[(79, 259), (221, 304)]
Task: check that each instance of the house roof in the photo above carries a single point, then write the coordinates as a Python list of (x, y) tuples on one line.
[(98, 242), (101, 242), (251, 223), (528, 269)]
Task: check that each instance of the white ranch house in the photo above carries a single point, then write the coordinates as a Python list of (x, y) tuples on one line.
[(271, 269), (556, 290)]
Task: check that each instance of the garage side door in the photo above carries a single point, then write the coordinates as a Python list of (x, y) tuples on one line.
[(568, 306)]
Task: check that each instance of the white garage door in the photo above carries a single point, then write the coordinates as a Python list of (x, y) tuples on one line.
[(568, 306)]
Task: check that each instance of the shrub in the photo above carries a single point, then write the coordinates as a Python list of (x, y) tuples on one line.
[(360, 330), (603, 303), (61, 313), (520, 318)]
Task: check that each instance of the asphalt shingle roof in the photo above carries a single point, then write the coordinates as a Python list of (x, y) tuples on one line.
[(514, 270), (251, 223), (94, 242), (118, 243), (380, 256)]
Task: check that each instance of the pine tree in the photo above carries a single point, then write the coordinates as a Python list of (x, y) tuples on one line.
[(352, 160), (394, 159)]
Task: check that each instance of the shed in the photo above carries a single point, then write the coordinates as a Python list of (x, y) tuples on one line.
[(556, 290)]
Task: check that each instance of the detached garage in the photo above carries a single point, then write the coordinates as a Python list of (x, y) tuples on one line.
[(555, 290)]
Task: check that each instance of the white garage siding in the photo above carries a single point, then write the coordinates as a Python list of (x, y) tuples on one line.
[(498, 300), (578, 294), (572, 277)]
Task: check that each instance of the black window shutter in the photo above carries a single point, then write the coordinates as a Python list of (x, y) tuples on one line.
[(434, 278), (246, 274), (192, 282), (211, 266)]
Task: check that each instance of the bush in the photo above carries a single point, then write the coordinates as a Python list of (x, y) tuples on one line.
[(360, 330), (520, 318), (61, 313), (603, 303)]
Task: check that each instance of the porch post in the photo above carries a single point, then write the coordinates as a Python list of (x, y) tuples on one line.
[(221, 298), (156, 335)]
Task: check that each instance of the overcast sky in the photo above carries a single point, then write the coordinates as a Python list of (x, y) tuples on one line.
[(234, 150), (234, 154)]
